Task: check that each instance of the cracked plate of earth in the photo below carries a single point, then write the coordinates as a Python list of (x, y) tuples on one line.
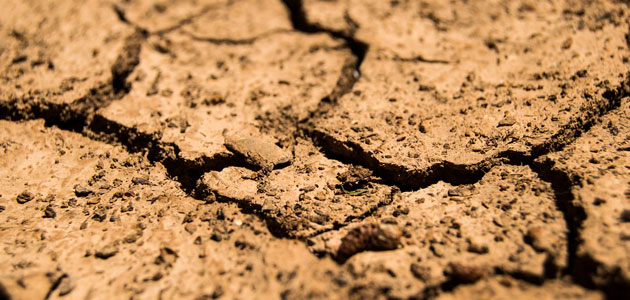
[(311, 149)]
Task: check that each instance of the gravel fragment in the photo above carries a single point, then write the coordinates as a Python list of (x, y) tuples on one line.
[(81, 191), (49, 212), (100, 214), (106, 252), (24, 197)]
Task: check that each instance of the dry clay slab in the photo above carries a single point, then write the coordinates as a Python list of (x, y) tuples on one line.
[(503, 287), (598, 164), (308, 196), (100, 222), (62, 52), (494, 82), (507, 223), (71, 209), (213, 20), (187, 92)]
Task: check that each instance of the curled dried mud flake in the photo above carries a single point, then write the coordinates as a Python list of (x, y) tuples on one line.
[(366, 237), (257, 150)]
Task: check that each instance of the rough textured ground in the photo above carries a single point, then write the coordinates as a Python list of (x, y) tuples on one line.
[(314, 149)]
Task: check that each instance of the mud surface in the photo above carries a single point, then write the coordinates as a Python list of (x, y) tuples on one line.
[(314, 149)]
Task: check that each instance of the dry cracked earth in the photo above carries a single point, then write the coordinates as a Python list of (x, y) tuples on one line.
[(315, 149)]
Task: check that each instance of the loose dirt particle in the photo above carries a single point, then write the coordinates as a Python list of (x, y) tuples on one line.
[(49, 212), (24, 197), (167, 257), (81, 191), (100, 214), (106, 252)]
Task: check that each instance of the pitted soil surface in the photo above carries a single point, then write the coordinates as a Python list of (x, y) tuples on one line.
[(314, 149)]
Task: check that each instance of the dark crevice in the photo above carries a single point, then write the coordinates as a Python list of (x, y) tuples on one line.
[(579, 268), (351, 69), (578, 125), (407, 179), (393, 174), (421, 59), (55, 284), (127, 61), (96, 127), (184, 171), (562, 184), (76, 115), (188, 20), (122, 17)]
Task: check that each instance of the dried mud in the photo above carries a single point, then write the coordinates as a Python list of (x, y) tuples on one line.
[(314, 149)]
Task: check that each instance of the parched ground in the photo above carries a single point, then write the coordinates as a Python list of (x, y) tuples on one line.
[(315, 149)]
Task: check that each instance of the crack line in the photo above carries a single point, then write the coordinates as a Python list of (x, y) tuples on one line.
[(351, 69), (80, 117), (232, 42)]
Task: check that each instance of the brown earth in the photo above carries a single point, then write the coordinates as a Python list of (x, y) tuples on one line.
[(314, 149)]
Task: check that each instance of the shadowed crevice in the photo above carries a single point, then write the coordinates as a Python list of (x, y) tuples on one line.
[(182, 170), (393, 174), (352, 68), (406, 179), (122, 16)]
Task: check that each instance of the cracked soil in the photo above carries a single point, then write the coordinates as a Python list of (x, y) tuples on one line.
[(314, 149)]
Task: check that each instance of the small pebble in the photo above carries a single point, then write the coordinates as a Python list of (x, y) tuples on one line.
[(81, 191), (106, 252), (421, 272), (24, 197), (190, 228), (140, 180), (133, 237), (507, 121), (49, 212), (476, 245), (369, 236), (100, 214), (438, 250)]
